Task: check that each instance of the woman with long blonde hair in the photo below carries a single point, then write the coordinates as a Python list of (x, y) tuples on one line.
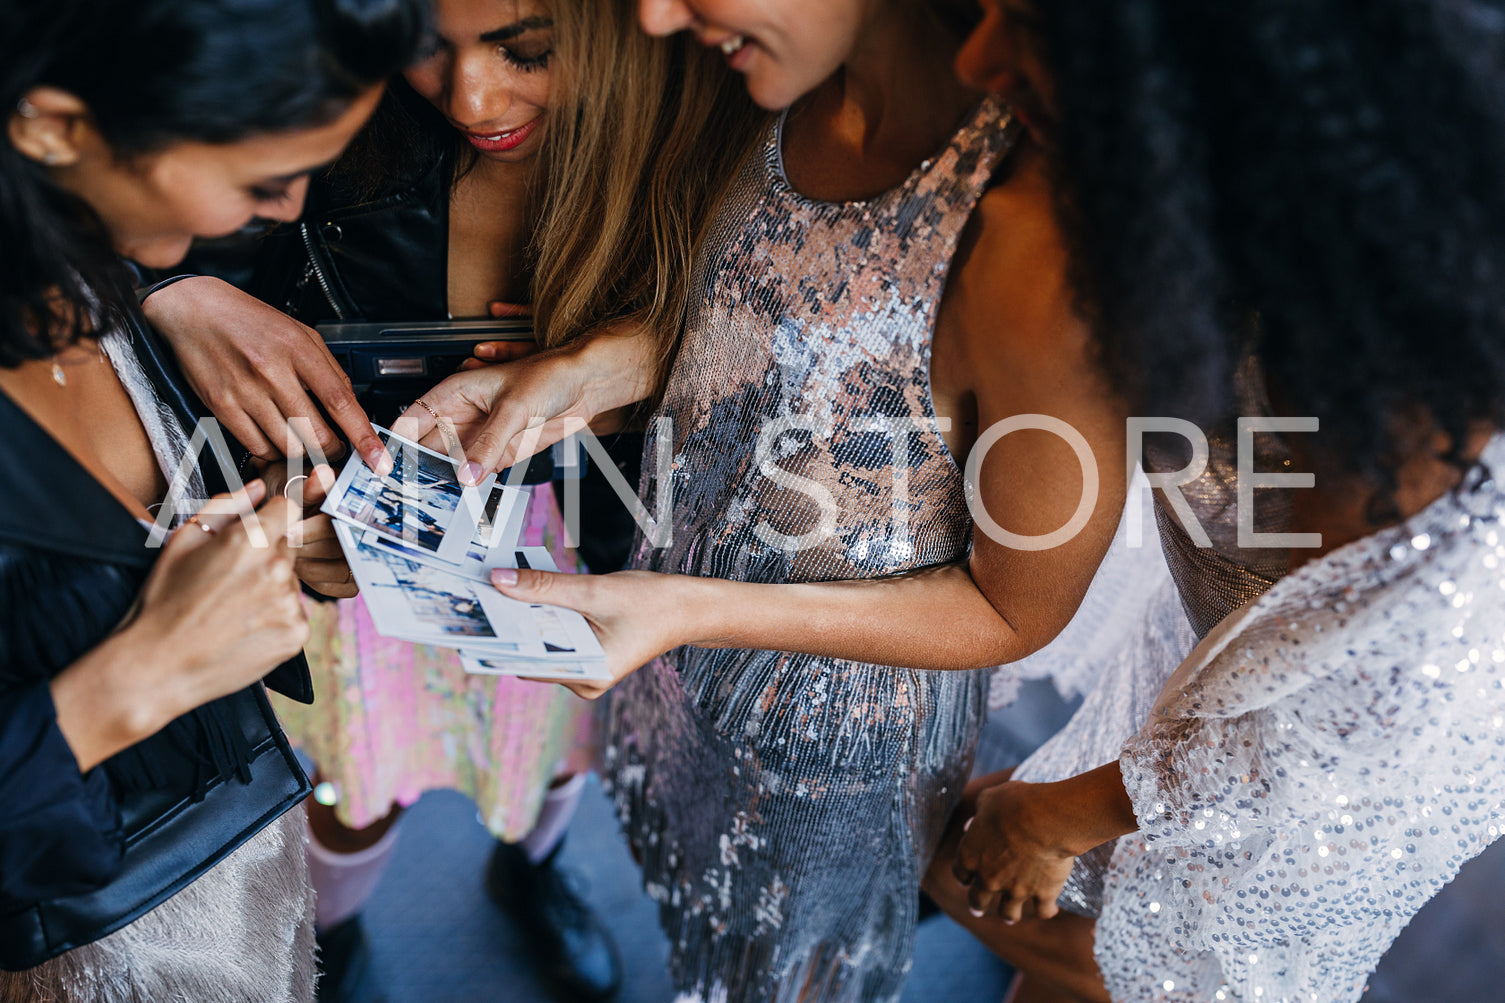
[(879, 347), (529, 159)]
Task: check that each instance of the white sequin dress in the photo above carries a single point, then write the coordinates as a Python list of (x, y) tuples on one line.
[(1322, 764)]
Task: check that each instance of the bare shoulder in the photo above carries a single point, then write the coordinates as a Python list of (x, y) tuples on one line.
[(1008, 293), (1008, 324)]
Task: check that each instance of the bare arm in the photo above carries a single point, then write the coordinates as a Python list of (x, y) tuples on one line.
[(258, 369), (1018, 848), (1050, 493), (1057, 950), (935, 619)]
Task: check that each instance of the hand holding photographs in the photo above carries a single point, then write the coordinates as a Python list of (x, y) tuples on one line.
[(422, 547)]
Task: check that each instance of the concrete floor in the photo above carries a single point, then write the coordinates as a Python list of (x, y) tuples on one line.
[(436, 938)]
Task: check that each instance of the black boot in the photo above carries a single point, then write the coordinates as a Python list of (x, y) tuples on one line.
[(344, 957), (573, 952)]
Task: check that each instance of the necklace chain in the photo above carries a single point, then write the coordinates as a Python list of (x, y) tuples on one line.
[(60, 376)]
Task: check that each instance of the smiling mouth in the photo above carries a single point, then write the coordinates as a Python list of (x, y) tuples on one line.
[(496, 137), (502, 142)]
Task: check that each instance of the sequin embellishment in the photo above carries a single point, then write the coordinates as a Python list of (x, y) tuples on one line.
[(784, 804)]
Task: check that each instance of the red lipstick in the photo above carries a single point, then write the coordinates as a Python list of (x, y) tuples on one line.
[(501, 142)]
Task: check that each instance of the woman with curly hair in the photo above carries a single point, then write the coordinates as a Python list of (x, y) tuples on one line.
[(1286, 208)]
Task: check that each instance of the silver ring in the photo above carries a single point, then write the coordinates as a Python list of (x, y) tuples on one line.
[(194, 521), (287, 489)]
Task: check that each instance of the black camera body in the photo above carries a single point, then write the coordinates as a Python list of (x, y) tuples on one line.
[(392, 365)]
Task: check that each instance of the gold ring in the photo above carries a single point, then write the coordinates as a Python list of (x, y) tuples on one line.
[(450, 438)]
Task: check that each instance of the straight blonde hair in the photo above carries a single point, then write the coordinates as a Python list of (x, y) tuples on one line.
[(645, 137)]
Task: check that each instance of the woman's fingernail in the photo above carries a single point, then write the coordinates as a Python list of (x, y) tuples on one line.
[(979, 913), (967, 824), (1009, 922), (485, 350), (380, 461), (472, 473), (504, 576)]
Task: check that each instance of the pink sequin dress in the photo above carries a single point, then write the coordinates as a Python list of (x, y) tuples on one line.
[(393, 719)]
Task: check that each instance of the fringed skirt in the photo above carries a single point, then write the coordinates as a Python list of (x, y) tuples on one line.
[(241, 933), (784, 809)]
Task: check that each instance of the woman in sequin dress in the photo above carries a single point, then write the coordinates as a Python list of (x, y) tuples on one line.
[(1330, 754), (789, 741)]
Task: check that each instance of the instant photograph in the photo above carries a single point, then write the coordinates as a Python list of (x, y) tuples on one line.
[(420, 504)]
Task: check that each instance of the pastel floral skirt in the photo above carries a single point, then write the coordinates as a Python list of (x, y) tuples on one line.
[(391, 719)]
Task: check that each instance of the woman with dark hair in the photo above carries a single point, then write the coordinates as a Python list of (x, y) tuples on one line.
[(1274, 208), (148, 845)]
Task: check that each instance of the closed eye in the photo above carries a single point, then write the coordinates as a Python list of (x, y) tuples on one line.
[(513, 42), (270, 196), (527, 62)]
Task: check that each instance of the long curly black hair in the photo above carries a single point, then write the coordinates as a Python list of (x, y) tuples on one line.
[(1324, 179)]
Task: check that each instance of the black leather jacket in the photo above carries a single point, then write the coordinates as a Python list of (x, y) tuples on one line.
[(83, 855), (384, 259)]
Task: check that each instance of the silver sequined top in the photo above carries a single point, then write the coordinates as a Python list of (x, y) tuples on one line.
[(1222, 575), (1325, 761), (805, 446), (785, 805)]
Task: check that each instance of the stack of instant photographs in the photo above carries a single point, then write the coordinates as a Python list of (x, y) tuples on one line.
[(422, 547)]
